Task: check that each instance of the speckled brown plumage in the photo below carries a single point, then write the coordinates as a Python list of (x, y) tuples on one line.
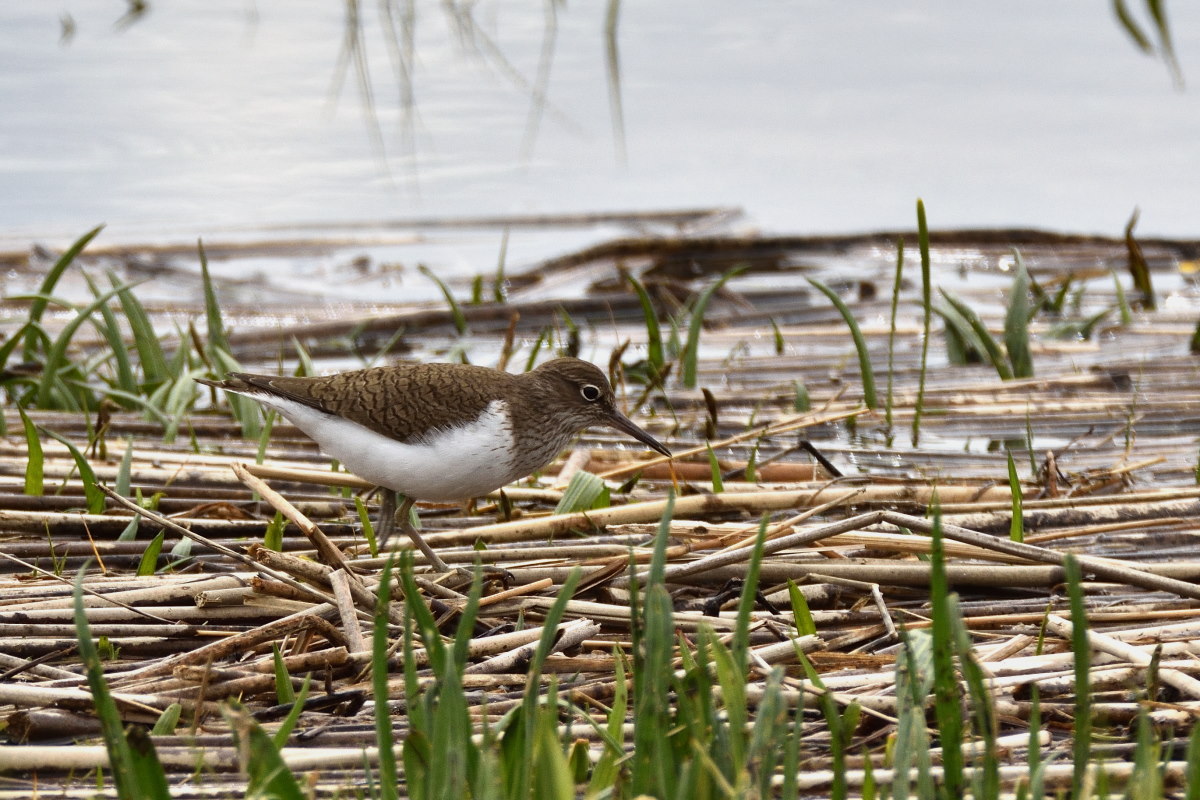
[(410, 402)]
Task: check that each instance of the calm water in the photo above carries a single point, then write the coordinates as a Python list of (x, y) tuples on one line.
[(201, 117)]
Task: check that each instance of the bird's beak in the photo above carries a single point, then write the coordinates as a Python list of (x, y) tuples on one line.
[(624, 424)]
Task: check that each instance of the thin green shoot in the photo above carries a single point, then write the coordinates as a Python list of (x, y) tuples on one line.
[(1016, 528), (34, 458), (1139, 269), (388, 774), (500, 283), (149, 561), (947, 699), (654, 343), (41, 299), (801, 614), (368, 528), (1122, 300), (801, 402), (1016, 322), (135, 767), (92, 493), (891, 351), (273, 535), (691, 349), (456, 312), (1081, 747), (991, 348), (860, 343), (718, 482), (927, 309), (284, 693)]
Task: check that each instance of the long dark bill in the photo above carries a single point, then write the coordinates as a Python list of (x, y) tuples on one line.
[(626, 425)]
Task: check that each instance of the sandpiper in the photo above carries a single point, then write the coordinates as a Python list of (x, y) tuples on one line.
[(442, 432)]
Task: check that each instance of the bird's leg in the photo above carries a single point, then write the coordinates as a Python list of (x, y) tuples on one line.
[(387, 516), (407, 526)]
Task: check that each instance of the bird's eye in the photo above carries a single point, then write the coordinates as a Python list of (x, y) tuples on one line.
[(590, 392)]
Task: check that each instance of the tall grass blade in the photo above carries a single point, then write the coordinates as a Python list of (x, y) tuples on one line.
[(150, 352), (1016, 322), (653, 766), (110, 329), (927, 314), (38, 306), (801, 614), (132, 766), (1016, 528), (860, 343), (714, 468), (654, 343), (34, 458), (691, 349), (741, 635), (456, 312), (289, 722), (266, 773), (1081, 748), (945, 680), (149, 561), (284, 693), (1139, 269), (388, 774), (56, 357), (896, 283), (95, 497), (991, 348)]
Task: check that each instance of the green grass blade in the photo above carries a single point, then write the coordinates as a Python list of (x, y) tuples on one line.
[(34, 458), (801, 614), (289, 722), (896, 282), (266, 773), (95, 497), (56, 357), (456, 312), (388, 774), (1016, 322), (167, 720), (131, 767), (148, 772), (718, 483), (284, 693), (1139, 269), (741, 636), (125, 470), (584, 493), (110, 330), (654, 344), (991, 348), (691, 349), (945, 679), (860, 343), (38, 307), (1016, 528), (927, 309), (149, 561), (1081, 746), (150, 352)]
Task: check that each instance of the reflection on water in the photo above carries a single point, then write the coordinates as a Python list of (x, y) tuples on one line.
[(188, 118)]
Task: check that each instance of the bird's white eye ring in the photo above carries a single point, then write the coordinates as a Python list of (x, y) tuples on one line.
[(590, 392)]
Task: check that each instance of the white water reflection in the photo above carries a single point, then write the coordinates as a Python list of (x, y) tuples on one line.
[(814, 117)]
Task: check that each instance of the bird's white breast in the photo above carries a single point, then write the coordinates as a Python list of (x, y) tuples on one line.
[(445, 465)]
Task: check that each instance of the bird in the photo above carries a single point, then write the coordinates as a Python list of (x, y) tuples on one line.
[(441, 432)]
